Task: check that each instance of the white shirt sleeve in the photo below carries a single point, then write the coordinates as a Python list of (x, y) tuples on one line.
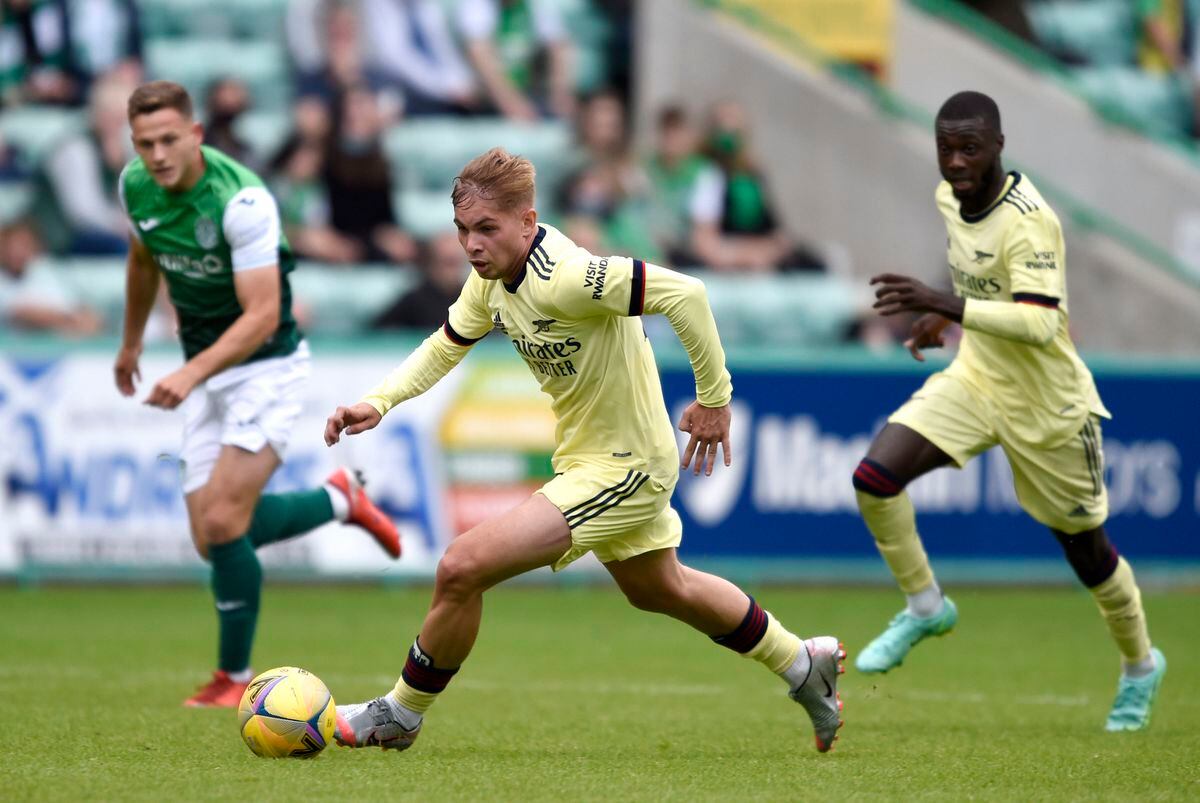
[(708, 196), (124, 206), (252, 229), (477, 19)]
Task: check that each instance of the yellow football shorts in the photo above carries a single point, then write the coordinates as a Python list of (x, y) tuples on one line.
[(615, 513), (1061, 487)]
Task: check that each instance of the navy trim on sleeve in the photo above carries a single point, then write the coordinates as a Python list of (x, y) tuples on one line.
[(1034, 298), (637, 294), (458, 339)]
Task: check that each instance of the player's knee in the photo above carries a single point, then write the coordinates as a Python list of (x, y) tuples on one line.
[(656, 593), (1091, 555), (458, 573), (875, 479), (221, 523), (652, 598)]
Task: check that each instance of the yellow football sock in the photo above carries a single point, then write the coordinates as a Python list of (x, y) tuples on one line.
[(893, 522), (778, 648), (1120, 604), (413, 699)]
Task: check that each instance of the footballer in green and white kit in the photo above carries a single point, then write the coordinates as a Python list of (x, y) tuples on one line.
[(208, 226)]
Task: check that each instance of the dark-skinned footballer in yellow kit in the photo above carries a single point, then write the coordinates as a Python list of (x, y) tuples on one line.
[(1016, 382)]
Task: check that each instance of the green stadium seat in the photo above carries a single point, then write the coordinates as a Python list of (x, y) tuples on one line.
[(1158, 104), (1098, 32), (803, 309), (264, 131), (15, 198), (196, 63), (36, 129), (209, 19), (99, 283), (428, 154), (424, 213), (344, 299)]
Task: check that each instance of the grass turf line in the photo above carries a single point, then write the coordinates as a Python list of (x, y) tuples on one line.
[(570, 694)]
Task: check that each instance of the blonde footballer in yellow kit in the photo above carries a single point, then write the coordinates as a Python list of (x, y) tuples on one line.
[(574, 318), (1017, 382)]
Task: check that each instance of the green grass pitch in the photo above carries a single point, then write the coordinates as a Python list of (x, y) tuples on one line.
[(572, 695)]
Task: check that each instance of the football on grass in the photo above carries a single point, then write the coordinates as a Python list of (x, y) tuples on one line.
[(287, 713)]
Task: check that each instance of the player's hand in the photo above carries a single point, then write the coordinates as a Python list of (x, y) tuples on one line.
[(173, 388), (926, 333), (897, 294), (708, 426), (351, 420), (126, 370)]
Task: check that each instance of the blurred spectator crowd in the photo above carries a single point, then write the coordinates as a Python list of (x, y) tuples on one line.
[(1137, 59), (358, 113)]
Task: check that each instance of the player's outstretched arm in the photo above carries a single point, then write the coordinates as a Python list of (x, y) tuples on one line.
[(351, 420), (141, 286), (684, 302)]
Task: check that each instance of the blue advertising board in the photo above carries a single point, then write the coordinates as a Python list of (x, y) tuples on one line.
[(799, 432)]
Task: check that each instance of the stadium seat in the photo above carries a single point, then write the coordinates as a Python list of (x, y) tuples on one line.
[(1098, 32), (36, 129), (249, 19), (793, 309), (343, 300), (424, 213), (1158, 104), (15, 197), (427, 154), (264, 131), (196, 63)]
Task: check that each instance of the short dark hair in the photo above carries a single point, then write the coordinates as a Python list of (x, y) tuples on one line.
[(671, 117), (971, 106), (156, 95)]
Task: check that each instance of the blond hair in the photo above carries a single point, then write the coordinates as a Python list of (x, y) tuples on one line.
[(496, 176), (156, 95)]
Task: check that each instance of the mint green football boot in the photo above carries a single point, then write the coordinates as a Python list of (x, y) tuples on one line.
[(1135, 697), (888, 649)]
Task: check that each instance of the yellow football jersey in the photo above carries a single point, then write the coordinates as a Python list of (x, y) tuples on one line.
[(1014, 251), (572, 317)]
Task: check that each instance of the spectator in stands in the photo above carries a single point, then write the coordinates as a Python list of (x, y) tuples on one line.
[(521, 52), (338, 65), (734, 226), (105, 39), (225, 101), (304, 205), (1167, 45), (444, 269), (673, 170), (33, 53), (32, 295), (412, 44), (76, 204), (608, 184), (359, 180)]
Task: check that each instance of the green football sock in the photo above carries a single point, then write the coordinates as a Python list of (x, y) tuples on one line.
[(281, 516), (236, 585)]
